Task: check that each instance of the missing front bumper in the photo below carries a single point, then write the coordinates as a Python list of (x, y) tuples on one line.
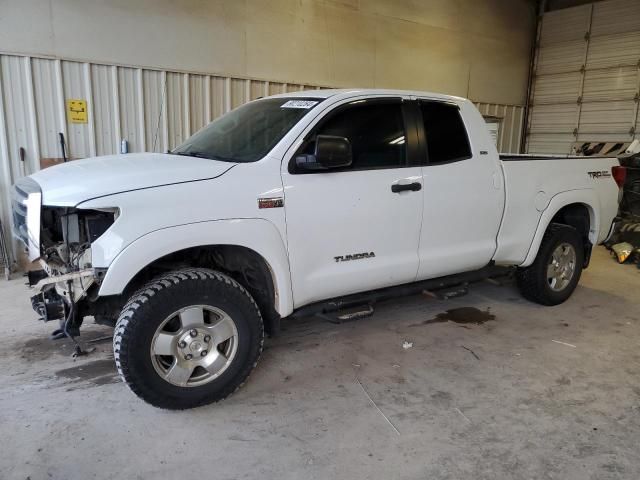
[(49, 306), (54, 294), (80, 282)]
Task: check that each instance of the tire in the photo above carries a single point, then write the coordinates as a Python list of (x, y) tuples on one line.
[(169, 319), (534, 282)]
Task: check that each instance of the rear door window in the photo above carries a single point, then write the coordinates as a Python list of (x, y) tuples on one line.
[(446, 134)]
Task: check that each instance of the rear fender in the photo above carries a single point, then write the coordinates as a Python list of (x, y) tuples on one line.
[(587, 197)]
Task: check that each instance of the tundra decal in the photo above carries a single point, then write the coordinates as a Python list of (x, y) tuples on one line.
[(354, 256)]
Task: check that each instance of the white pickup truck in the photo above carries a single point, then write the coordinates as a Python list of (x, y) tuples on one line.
[(297, 204)]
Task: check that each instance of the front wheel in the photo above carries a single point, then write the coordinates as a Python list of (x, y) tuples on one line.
[(188, 338), (554, 274)]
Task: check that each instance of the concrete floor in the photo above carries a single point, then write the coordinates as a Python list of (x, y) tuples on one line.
[(536, 393)]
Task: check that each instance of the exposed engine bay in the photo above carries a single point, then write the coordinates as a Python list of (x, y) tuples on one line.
[(66, 235), (67, 276)]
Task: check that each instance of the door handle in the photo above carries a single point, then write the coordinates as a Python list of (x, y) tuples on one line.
[(412, 187)]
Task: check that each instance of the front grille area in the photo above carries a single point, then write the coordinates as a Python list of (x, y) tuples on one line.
[(19, 195), (19, 213)]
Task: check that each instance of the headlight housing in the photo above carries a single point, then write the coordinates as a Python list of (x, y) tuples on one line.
[(26, 198), (67, 232)]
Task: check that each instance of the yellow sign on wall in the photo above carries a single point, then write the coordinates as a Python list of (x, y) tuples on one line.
[(77, 111)]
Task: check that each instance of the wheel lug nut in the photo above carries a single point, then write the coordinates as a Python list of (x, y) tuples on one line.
[(207, 338), (188, 356), (203, 353), (193, 333), (182, 344)]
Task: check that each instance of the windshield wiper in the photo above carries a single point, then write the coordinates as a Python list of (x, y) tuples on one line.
[(190, 153), (193, 154)]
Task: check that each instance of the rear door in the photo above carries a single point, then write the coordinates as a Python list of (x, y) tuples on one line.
[(463, 196), (356, 228)]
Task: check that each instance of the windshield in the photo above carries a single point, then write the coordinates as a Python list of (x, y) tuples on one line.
[(247, 133)]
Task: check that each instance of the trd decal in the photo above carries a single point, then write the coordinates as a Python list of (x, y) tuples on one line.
[(354, 256), (601, 174), (275, 202)]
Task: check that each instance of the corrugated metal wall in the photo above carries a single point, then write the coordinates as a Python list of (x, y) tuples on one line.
[(511, 119), (587, 77), (153, 110)]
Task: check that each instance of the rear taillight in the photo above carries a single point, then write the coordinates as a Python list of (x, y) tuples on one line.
[(619, 175)]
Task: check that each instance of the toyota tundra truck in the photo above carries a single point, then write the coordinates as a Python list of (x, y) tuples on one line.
[(290, 205)]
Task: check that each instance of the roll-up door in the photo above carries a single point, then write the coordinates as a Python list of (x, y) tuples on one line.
[(586, 77)]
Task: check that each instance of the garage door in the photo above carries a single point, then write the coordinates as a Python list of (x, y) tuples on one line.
[(586, 78)]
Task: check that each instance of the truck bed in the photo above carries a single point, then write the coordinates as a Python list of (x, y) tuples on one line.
[(533, 184), (515, 157)]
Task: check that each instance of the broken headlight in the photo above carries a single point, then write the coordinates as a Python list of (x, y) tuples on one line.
[(66, 233)]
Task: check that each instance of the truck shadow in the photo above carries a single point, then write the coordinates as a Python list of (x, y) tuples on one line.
[(42, 348)]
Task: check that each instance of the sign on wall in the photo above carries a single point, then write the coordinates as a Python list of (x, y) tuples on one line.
[(77, 111)]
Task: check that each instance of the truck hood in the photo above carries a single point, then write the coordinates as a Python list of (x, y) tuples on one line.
[(77, 181)]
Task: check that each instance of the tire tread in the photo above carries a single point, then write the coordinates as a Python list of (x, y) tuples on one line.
[(530, 282), (128, 318)]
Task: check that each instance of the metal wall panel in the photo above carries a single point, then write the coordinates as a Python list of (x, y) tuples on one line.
[(553, 118), (614, 50), (131, 107), (155, 107), (75, 86), (559, 58), (599, 137), (47, 105), (17, 131), (239, 92), (276, 88), (153, 110), (550, 143), (557, 88), (511, 119), (604, 85), (566, 25), (258, 89), (511, 130), (220, 101), (199, 104), (16, 105), (105, 110), (607, 117), (176, 106), (615, 16)]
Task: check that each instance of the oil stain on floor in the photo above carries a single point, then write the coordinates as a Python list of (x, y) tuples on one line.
[(462, 316), (96, 372)]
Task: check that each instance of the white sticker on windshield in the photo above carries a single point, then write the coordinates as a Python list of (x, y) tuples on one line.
[(299, 104)]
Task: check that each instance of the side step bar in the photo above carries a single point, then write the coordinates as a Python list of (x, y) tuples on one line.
[(360, 305), (348, 315)]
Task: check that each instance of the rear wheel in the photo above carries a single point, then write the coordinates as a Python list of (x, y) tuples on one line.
[(554, 274), (188, 338)]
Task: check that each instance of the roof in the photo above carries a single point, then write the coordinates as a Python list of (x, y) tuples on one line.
[(349, 92)]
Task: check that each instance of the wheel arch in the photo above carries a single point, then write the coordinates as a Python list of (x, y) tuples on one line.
[(576, 208), (229, 245)]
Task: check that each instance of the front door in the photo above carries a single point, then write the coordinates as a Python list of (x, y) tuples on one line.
[(357, 228)]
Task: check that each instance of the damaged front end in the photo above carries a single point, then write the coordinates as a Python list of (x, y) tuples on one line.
[(60, 239)]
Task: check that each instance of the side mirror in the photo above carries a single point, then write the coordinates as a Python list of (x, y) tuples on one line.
[(330, 152)]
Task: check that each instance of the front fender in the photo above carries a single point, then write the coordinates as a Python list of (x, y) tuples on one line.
[(258, 235), (587, 197)]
